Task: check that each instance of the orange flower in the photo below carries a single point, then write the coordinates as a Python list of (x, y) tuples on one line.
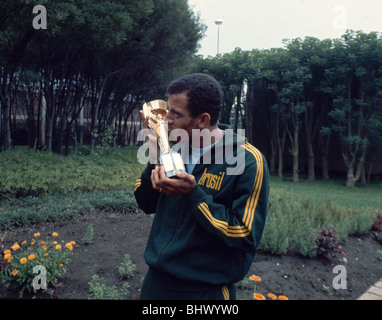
[(55, 234), (23, 260), (37, 234), (15, 246), (58, 247), (258, 296), (283, 298), (7, 251), (15, 272), (31, 257), (272, 296), (69, 246), (255, 278)]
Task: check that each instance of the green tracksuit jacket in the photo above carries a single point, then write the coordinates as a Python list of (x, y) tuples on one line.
[(209, 236)]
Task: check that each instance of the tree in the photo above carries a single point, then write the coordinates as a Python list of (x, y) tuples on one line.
[(106, 52), (356, 76)]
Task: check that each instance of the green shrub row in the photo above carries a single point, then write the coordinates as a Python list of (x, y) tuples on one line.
[(27, 172), (53, 207), (293, 222), (104, 180)]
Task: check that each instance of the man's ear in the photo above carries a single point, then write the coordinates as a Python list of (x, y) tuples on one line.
[(204, 120)]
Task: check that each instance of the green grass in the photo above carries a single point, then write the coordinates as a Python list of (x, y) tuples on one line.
[(298, 211), (358, 198), (27, 172), (38, 186)]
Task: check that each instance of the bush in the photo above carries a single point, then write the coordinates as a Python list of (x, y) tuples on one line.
[(53, 207), (101, 291), (127, 268), (293, 222), (18, 263), (32, 173), (328, 243)]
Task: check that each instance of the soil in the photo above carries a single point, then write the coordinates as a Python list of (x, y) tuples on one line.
[(297, 277)]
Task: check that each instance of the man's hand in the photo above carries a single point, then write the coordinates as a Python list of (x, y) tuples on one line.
[(181, 186)]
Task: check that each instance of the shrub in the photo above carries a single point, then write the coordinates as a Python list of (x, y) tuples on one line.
[(89, 234), (32, 173), (127, 268), (101, 291), (20, 260), (328, 243), (293, 222)]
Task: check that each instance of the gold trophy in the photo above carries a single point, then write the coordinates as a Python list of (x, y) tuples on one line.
[(172, 161)]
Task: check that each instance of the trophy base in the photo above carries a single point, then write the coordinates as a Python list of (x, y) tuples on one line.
[(172, 163)]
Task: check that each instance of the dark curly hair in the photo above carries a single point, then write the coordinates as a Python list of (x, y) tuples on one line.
[(204, 94)]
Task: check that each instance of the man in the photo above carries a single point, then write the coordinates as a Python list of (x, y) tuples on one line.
[(208, 223)]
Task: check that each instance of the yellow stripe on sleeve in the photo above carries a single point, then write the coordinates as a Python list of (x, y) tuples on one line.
[(137, 184), (250, 207)]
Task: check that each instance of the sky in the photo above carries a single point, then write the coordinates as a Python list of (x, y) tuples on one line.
[(263, 24)]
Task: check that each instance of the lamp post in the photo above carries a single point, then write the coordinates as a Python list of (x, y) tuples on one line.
[(218, 22)]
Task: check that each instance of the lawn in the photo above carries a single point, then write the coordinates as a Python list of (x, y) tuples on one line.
[(37, 186), (85, 189), (357, 198)]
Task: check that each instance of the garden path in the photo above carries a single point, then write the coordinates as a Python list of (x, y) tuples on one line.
[(373, 293)]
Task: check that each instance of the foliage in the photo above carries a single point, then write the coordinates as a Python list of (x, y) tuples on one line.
[(328, 244), (293, 222), (53, 207), (297, 212), (111, 53), (28, 172), (379, 255), (101, 291), (377, 225), (127, 268), (319, 93), (19, 261), (88, 237)]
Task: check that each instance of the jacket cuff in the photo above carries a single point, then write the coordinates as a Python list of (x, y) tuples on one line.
[(147, 172)]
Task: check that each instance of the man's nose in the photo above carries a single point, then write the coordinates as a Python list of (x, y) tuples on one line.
[(169, 119)]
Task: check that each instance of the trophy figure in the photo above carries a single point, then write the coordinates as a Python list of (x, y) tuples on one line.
[(172, 161)]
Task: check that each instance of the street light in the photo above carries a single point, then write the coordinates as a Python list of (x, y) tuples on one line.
[(218, 22)]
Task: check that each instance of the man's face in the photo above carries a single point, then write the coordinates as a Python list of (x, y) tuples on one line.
[(179, 116)]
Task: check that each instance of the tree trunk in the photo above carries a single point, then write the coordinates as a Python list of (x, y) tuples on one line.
[(324, 156), (281, 144), (272, 166), (7, 125), (350, 182), (295, 153), (311, 174), (49, 132)]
